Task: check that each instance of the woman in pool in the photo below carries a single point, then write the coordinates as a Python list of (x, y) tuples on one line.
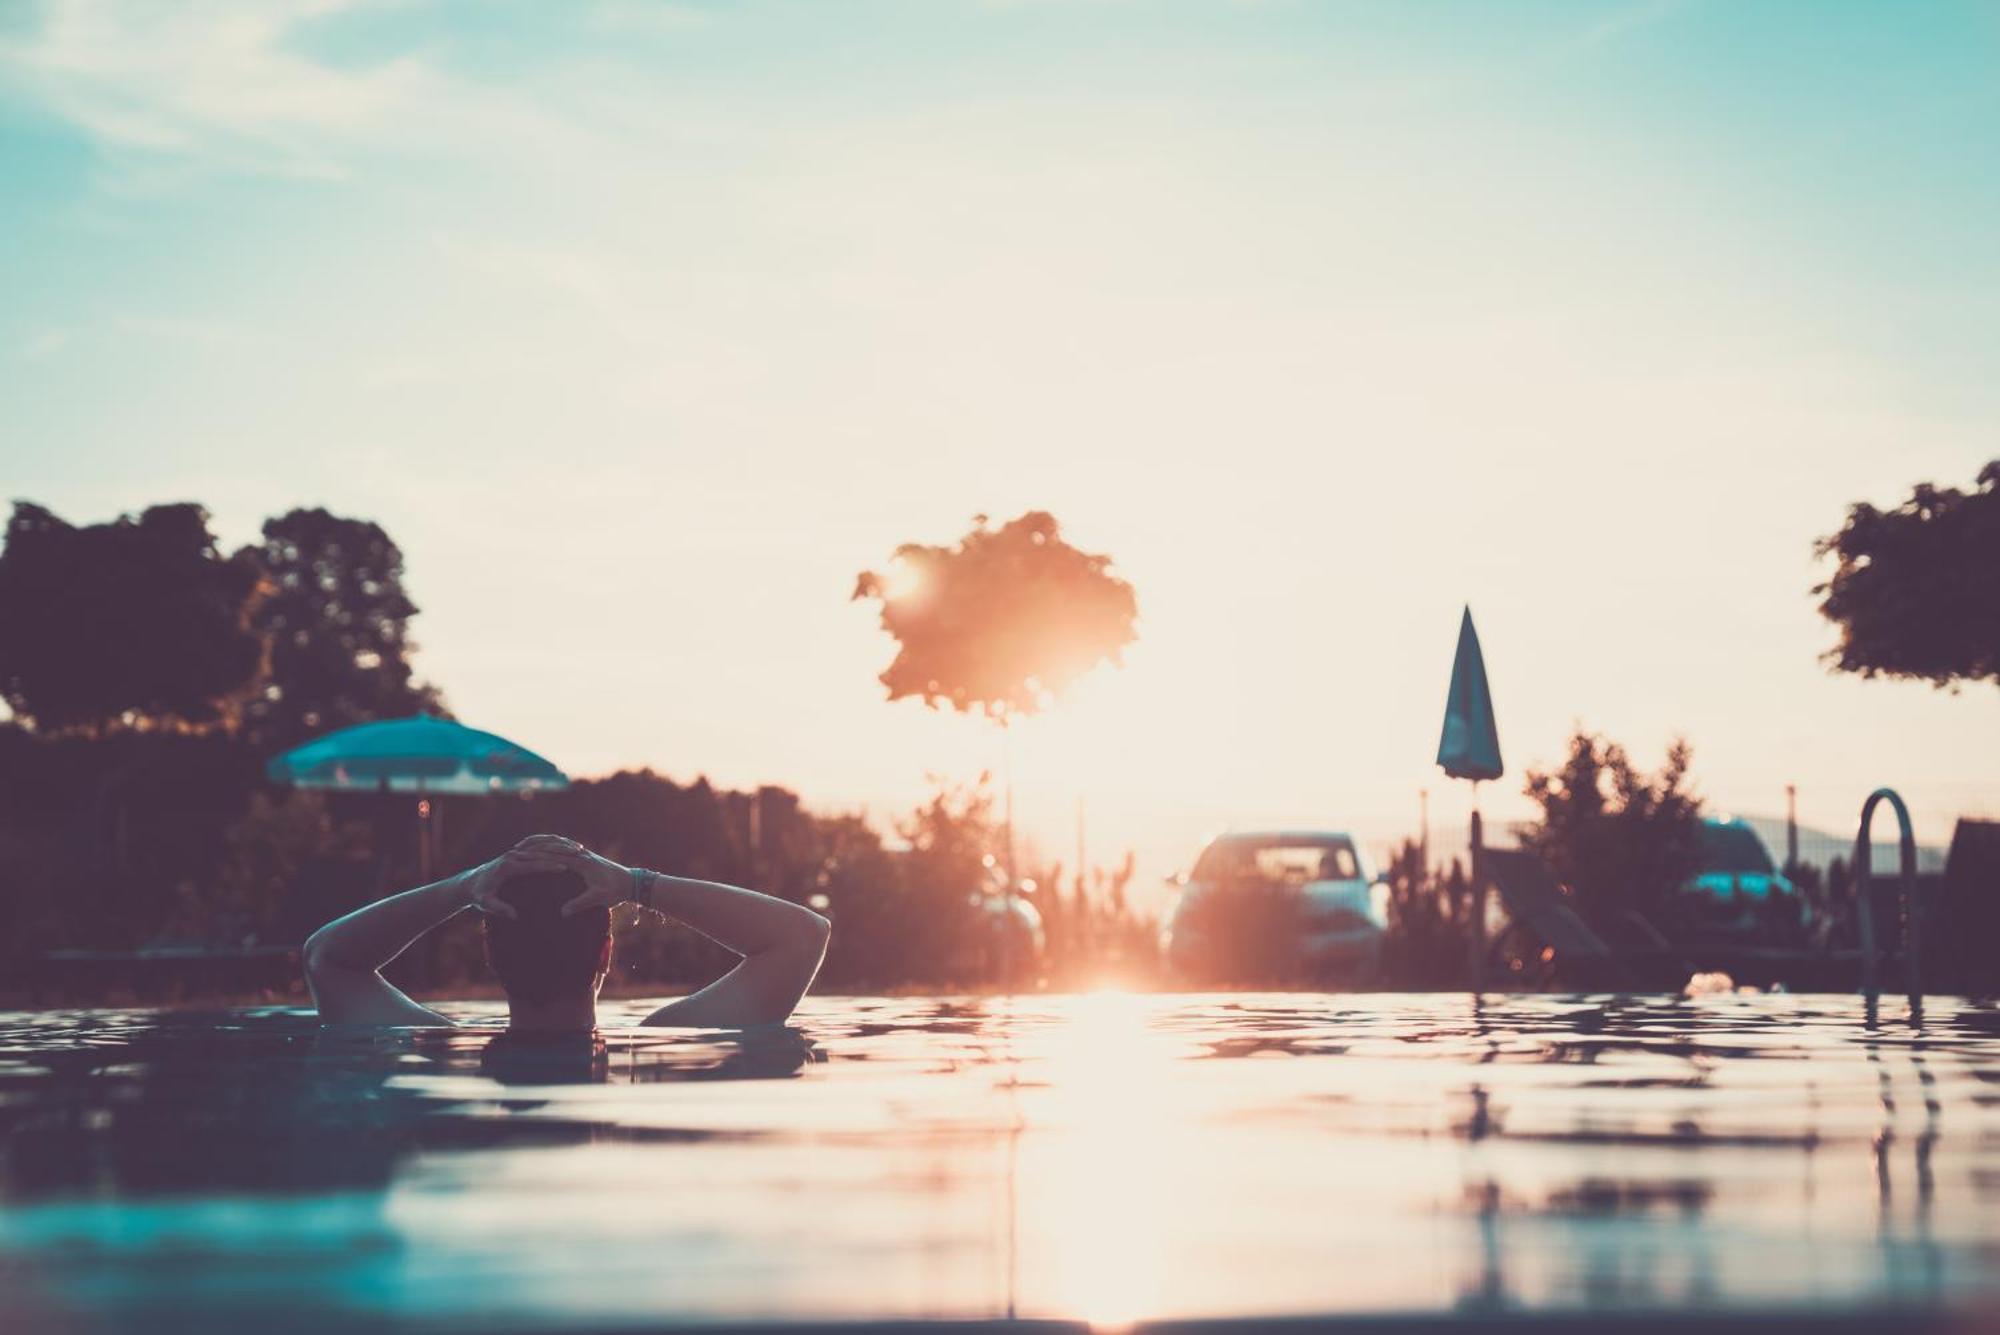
[(547, 905)]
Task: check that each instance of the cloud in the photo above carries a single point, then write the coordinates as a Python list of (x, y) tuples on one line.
[(587, 276), (1614, 25), (176, 329), (203, 86), (45, 343), (646, 16), (199, 79)]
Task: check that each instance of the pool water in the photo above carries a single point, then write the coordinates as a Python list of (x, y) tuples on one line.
[(1106, 1159)]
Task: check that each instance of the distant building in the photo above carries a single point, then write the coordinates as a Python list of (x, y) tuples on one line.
[(1817, 848)]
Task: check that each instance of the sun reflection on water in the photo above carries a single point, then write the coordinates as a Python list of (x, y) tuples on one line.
[(1095, 1165)]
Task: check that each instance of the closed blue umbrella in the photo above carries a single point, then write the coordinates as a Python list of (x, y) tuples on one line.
[(1470, 746)]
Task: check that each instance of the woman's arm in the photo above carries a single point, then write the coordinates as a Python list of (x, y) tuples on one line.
[(781, 943), (344, 959)]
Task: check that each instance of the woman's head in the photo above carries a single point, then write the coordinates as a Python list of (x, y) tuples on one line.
[(542, 957)]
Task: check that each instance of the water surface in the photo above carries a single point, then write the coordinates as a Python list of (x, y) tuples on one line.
[(1107, 1159)]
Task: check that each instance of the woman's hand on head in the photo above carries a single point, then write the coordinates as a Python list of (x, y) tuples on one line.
[(606, 884), (548, 843), (484, 882)]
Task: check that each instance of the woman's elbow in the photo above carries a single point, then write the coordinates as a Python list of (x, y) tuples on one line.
[(320, 953), (814, 931), (312, 955)]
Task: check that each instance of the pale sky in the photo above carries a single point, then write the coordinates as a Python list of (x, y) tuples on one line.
[(643, 327)]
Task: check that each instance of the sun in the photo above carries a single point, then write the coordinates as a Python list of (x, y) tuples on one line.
[(901, 580)]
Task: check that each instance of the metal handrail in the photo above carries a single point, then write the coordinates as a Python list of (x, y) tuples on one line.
[(1864, 868)]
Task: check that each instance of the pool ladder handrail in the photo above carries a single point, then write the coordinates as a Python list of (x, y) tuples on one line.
[(1864, 868)]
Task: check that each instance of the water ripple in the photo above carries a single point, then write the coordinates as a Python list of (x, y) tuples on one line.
[(1103, 1159)]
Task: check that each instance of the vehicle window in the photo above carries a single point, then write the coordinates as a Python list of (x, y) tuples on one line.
[(1733, 848), (1338, 864), (1287, 862)]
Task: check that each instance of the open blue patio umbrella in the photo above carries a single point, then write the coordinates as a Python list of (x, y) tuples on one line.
[(424, 755)]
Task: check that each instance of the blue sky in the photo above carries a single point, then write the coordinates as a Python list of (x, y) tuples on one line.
[(643, 327)]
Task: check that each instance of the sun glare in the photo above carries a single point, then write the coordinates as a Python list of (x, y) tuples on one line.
[(901, 580)]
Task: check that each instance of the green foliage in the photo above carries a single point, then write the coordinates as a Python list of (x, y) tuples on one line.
[(337, 619), (136, 622), (859, 883), (1093, 936), (99, 833), (1621, 840), (265, 854), (949, 865), (1002, 621), (1425, 944), (910, 911), (1915, 590), (1828, 899)]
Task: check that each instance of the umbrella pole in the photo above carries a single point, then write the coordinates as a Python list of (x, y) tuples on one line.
[(423, 836), (380, 823), (1475, 926), (1007, 898)]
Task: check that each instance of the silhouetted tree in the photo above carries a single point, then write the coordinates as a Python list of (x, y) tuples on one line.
[(338, 623), (137, 622), (1424, 945), (266, 854), (947, 872), (1001, 621), (859, 883), (1916, 590), (1092, 936), (1619, 839)]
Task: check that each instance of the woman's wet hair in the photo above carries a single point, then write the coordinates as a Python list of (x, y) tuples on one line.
[(542, 956)]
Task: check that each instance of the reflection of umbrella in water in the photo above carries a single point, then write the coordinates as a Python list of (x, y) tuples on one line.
[(425, 755)]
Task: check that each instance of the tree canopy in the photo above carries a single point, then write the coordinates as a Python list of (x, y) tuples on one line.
[(1618, 838), (138, 620), (1001, 621), (338, 623), (1915, 590)]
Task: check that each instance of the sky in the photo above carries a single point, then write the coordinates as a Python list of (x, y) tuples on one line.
[(643, 328)]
